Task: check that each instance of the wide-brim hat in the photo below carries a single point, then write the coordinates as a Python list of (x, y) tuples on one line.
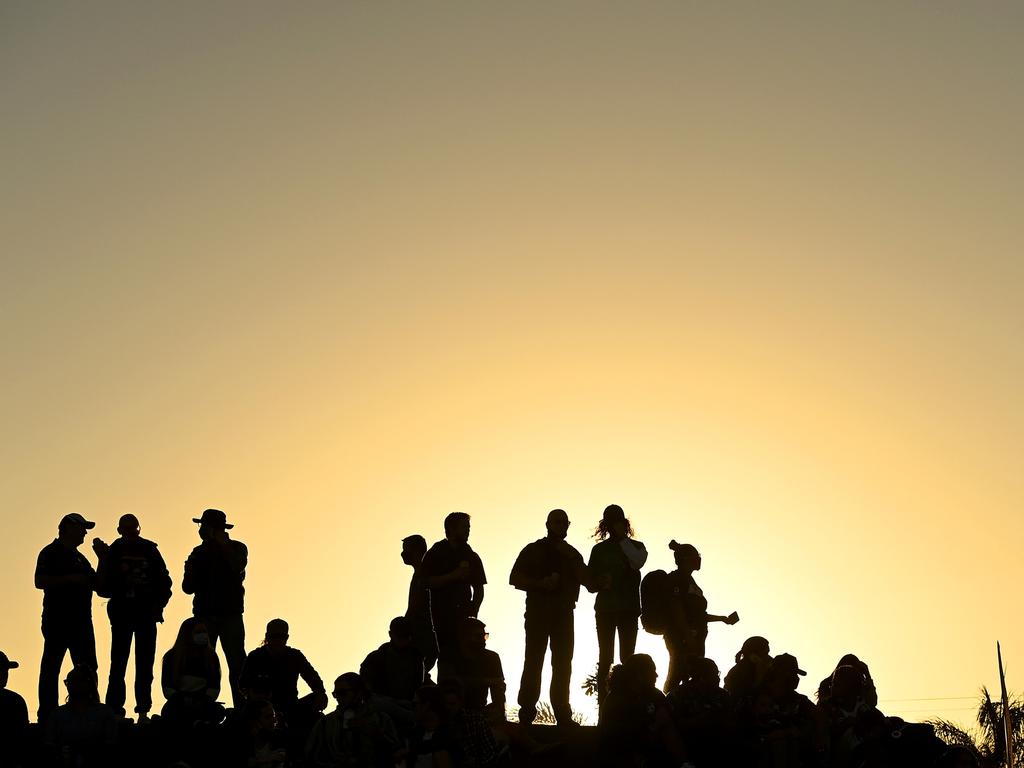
[(213, 518)]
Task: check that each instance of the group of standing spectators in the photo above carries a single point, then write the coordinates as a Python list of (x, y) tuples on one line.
[(398, 709)]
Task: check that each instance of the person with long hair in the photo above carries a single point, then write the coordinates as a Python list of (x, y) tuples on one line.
[(190, 677), (614, 566)]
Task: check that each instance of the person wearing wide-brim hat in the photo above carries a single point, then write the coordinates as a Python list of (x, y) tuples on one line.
[(614, 566), (13, 714), (214, 576), (68, 581)]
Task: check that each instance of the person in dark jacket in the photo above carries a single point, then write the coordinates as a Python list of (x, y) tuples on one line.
[(214, 573), (13, 718), (133, 575), (279, 666), (394, 672), (67, 580)]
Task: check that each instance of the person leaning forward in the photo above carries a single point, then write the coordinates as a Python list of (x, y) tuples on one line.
[(67, 580), (214, 573), (550, 571)]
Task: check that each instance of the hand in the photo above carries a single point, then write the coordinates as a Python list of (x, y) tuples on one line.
[(100, 547), (732, 618), (320, 702)]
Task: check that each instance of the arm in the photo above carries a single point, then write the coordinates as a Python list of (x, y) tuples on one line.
[(310, 676), (193, 572), (477, 601), (162, 583)]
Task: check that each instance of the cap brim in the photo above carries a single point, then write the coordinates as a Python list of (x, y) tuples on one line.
[(13, 665), (89, 526), (226, 525), (801, 673)]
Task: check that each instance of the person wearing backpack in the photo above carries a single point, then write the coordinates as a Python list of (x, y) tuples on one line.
[(685, 617)]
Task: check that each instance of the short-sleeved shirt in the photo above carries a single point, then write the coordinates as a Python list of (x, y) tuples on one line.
[(453, 600), (623, 596), (65, 601), (542, 558)]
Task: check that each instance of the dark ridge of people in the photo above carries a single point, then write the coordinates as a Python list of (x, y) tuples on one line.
[(391, 712)]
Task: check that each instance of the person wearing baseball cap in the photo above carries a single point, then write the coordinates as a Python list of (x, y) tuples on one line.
[(13, 715), (214, 573), (68, 581)]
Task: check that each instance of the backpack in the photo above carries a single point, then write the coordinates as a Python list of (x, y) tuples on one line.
[(654, 602)]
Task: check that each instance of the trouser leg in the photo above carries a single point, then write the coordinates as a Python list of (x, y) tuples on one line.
[(233, 639), (605, 652), (562, 642), (627, 626), (55, 647), (120, 649), (676, 664), (145, 656), (537, 631)]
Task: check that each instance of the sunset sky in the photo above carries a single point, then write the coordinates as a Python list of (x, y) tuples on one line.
[(752, 271)]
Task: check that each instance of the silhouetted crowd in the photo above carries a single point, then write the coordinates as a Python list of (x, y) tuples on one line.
[(392, 712)]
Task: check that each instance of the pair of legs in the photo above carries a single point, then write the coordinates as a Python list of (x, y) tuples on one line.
[(683, 649), (544, 627), (122, 629), (60, 635), (608, 623), (230, 631)]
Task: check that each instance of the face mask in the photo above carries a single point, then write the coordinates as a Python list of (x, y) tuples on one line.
[(201, 638)]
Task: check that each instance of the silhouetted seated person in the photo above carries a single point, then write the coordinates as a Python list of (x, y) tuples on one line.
[(418, 608), (83, 732), (253, 739), (67, 580), (394, 672), (635, 726), (687, 622), (476, 667), (744, 680), (355, 734), (455, 576), (279, 666), (784, 721), (190, 678), (430, 745), (132, 573), (849, 719), (13, 718), (703, 713), (850, 660), (473, 740)]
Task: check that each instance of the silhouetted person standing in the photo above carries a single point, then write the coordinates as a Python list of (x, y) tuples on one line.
[(615, 563), (550, 571), (13, 718), (688, 617), (214, 573), (418, 610), (455, 577), (133, 575), (67, 580)]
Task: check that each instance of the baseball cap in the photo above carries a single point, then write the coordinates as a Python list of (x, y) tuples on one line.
[(6, 663), (76, 519)]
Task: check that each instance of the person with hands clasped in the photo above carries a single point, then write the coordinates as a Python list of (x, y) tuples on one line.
[(615, 563)]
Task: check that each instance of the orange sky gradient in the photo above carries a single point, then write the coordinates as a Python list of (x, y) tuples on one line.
[(752, 273)]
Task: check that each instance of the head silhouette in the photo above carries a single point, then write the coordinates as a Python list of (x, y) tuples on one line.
[(456, 527), (276, 637), (557, 524), (350, 691), (413, 549), (400, 632), (755, 647), (82, 686), (72, 528), (686, 556), (613, 523), (128, 527)]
